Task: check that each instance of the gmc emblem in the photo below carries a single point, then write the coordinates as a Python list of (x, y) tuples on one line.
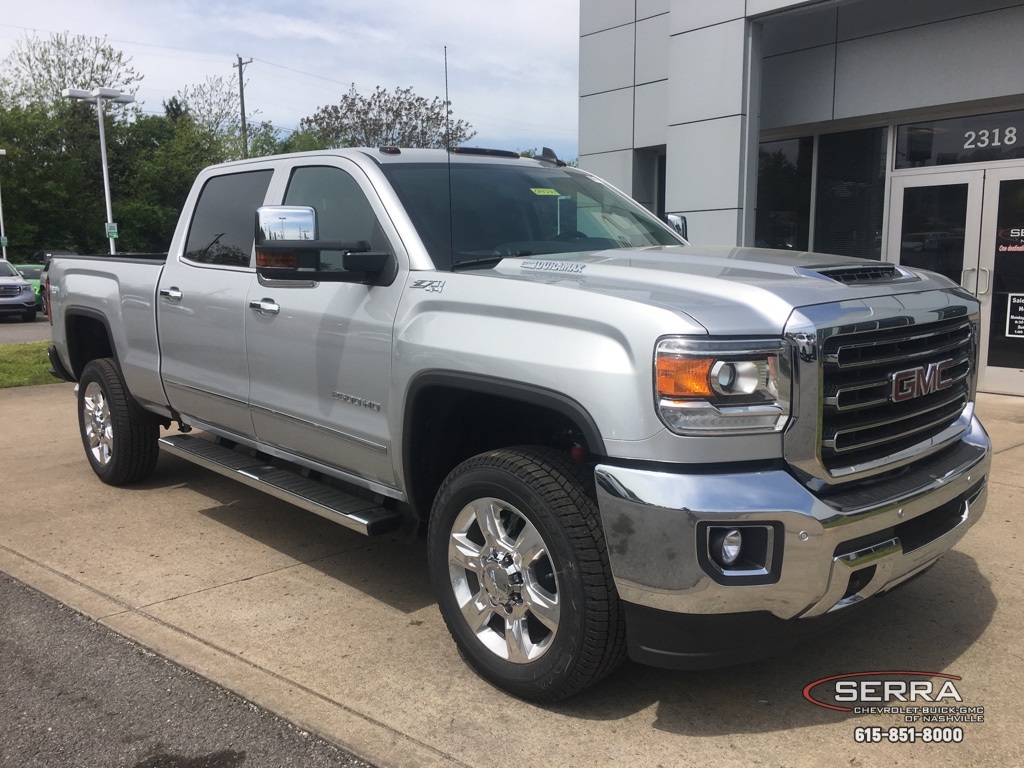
[(916, 382)]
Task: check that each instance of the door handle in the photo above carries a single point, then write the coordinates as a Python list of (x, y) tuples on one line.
[(265, 306), (988, 280), (963, 278), (172, 293)]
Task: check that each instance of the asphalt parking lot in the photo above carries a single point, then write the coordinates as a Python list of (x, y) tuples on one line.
[(340, 635), (14, 330), (78, 694)]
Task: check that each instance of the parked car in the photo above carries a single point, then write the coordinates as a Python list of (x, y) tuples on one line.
[(43, 257), (44, 293), (33, 273), (16, 294)]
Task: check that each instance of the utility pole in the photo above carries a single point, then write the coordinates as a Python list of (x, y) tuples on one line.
[(241, 98)]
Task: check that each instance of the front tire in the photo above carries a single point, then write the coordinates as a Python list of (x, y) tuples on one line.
[(519, 565), (120, 438)]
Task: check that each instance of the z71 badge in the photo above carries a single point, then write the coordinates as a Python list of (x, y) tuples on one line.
[(431, 286)]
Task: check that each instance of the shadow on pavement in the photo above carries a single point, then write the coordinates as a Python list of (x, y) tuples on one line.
[(926, 625), (384, 568)]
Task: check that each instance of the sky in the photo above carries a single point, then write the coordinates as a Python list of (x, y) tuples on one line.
[(512, 67)]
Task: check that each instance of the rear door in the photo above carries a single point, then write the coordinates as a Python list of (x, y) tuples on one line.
[(201, 310)]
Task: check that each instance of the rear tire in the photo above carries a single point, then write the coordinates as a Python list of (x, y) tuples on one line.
[(520, 569), (119, 437)]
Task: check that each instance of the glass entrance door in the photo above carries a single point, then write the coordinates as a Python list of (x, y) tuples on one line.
[(935, 223), (1001, 282), (969, 226)]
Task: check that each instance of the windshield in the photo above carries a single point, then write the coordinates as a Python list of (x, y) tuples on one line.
[(504, 210), (6, 270), (30, 273)]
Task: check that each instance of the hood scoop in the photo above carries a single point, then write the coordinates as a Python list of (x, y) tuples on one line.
[(864, 274)]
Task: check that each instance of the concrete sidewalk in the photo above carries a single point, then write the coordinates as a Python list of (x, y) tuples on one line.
[(339, 633)]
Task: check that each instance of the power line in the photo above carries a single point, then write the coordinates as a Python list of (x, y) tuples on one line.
[(494, 120)]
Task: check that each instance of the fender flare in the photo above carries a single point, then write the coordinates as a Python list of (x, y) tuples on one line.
[(497, 387)]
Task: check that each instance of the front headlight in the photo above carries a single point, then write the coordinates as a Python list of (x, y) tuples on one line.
[(722, 387)]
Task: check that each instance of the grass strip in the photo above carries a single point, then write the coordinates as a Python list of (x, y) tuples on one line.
[(22, 365)]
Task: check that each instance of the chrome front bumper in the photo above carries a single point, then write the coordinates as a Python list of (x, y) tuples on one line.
[(886, 532)]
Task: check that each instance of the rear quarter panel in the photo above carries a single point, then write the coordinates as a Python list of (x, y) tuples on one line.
[(121, 293)]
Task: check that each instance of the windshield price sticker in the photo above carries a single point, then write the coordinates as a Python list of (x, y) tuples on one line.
[(543, 192)]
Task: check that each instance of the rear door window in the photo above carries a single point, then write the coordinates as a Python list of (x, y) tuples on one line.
[(223, 227)]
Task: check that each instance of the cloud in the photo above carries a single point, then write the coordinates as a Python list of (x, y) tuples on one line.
[(512, 67)]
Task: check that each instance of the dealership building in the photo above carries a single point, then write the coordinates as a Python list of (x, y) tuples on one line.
[(885, 129)]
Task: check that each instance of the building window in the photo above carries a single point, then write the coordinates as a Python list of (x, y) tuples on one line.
[(784, 193), (974, 139), (850, 195)]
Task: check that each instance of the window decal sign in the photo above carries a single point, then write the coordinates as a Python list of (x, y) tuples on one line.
[(1015, 316)]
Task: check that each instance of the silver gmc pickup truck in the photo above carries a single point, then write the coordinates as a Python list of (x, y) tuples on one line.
[(616, 442)]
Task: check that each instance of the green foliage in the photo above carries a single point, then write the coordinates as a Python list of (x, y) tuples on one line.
[(397, 118), (51, 177), (22, 365), (53, 155)]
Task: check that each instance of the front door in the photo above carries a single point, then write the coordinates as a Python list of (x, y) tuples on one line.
[(1001, 282), (961, 224), (320, 353)]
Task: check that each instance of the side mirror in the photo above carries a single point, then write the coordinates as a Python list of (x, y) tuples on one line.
[(288, 248), (678, 222)]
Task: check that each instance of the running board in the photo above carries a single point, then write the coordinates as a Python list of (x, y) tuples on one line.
[(360, 515)]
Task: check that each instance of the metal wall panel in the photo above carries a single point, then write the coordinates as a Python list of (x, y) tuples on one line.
[(606, 60)]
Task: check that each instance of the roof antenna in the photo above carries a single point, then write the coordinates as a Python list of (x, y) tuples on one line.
[(448, 155)]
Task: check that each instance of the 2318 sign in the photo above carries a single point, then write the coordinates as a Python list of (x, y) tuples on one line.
[(995, 137)]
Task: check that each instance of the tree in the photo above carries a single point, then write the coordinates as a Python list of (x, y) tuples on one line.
[(37, 71), (386, 118), (214, 106), (50, 171)]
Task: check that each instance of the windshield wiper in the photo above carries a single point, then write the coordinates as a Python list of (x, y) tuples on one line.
[(489, 260)]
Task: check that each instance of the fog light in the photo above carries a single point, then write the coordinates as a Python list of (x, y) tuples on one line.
[(732, 544)]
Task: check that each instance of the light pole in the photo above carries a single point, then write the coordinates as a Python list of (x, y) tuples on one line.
[(3, 234), (99, 97)]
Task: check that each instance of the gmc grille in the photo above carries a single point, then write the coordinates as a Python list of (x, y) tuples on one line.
[(861, 422)]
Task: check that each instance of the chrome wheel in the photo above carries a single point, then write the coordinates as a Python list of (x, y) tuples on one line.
[(98, 424), (503, 580), (519, 566)]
